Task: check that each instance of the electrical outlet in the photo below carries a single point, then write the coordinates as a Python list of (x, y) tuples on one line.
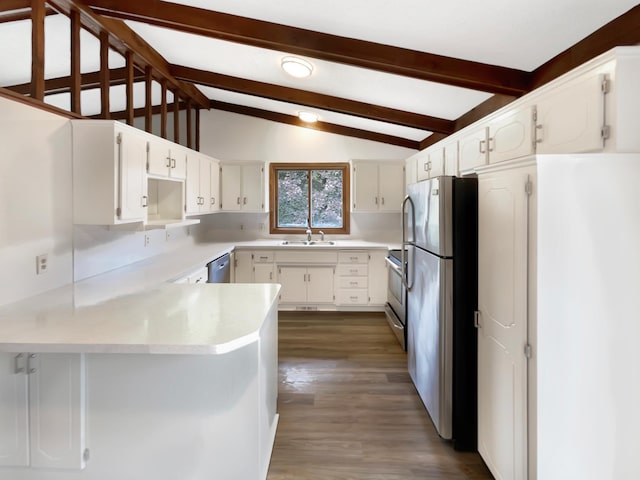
[(147, 239), (261, 227), (42, 264)]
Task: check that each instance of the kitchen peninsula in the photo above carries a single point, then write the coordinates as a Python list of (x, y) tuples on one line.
[(173, 381)]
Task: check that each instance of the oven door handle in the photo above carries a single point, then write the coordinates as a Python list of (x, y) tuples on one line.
[(393, 266)]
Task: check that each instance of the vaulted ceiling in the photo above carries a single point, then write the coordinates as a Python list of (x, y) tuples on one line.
[(406, 73)]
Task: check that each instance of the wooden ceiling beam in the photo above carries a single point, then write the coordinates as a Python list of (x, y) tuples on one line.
[(622, 31), (360, 53), (314, 100), (123, 40), (321, 126)]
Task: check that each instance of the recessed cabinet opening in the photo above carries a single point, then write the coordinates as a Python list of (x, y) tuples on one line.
[(166, 204)]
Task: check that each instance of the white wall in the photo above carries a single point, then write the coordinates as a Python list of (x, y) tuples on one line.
[(35, 200), (233, 137)]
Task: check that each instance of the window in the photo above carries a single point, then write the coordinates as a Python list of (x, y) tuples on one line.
[(314, 195)]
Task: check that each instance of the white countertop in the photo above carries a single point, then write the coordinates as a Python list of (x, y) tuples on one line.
[(134, 309), (170, 318)]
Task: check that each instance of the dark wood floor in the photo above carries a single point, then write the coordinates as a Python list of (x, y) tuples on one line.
[(348, 409)]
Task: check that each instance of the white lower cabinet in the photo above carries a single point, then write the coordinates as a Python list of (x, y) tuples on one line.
[(243, 266), (42, 410), (301, 285)]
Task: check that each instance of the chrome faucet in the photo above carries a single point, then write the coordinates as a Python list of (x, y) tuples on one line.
[(321, 235), (308, 232)]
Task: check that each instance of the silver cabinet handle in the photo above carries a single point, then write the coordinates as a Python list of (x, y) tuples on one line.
[(17, 364), (168, 165), (238, 200), (382, 200), (482, 142), (376, 200), (425, 166), (270, 275), (244, 202), (539, 131), (145, 201), (213, 200), (492, 143), (476, 319), (173, 163)]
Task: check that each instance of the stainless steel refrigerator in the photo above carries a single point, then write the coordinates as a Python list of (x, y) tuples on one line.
[(440, 235)]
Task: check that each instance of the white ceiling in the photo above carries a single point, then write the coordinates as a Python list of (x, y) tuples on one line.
[(512, 33)]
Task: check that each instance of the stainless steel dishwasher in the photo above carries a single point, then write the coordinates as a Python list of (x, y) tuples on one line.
[(220, 269)]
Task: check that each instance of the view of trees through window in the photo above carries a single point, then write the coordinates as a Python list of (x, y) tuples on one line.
[(309, 196)]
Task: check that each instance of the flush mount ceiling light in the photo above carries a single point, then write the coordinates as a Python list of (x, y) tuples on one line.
[(308, 117), (296, 67)]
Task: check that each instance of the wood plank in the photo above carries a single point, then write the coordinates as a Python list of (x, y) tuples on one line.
[(198, 129), (375, 56), (129, 86), (348, 409), (37, 103), (89, 81), (76, 76), (10, 5), (37, 49), (148, 100), (105, 76), (311, 99), (176, 117), (163, 109), (320, 126), (189, 125)]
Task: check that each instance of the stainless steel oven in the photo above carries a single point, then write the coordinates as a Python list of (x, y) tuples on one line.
[(396, 308)]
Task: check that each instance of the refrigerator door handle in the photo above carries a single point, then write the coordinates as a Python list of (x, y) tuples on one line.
[(407, 276)]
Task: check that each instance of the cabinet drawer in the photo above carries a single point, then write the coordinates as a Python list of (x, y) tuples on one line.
[(354, 256), (353, 270), (262, 257), (305, 257), (353, 282), (352, 297)]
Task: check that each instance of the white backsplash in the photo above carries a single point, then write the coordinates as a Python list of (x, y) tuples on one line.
[(225, 227)]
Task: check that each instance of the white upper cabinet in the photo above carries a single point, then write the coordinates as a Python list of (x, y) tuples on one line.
[(430, 163), (511, 135), (167, 159), (109, 173), (214, 181), (571, 119), (410, 171), (473, 151), (451, 159), (377, 186), (198, 197), (242, 187)]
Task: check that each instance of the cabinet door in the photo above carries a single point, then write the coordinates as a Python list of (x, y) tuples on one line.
[(473, 150), (193, 184), (159, 158), (230, 182), (14, 413), (294, 284), (377, 277), (133, 179), (57, 410), (502, 303), (205, 183), (320, 284), (365, 187), (570, 120), (391, 186), (214, 200), (423, 165), (264, 273), (511, 136), (243, 267), (178, 163), (252, 188), (410, 171), (436, 163), (451, 159)]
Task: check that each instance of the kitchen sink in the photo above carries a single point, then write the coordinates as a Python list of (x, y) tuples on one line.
[(304, 242)]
